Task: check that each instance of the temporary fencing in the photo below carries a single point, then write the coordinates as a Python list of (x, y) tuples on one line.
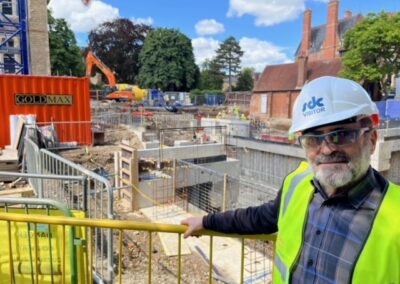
[(59, 134), (92, 194)]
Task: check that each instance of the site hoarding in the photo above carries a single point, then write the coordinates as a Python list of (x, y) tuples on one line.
[(50, 99)]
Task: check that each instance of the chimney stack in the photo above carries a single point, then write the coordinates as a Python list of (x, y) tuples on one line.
[(348, 15), (331, 37), (301, 70), (306, 41)]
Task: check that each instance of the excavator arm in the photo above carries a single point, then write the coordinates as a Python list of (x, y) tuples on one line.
[(112, 91), (93, 60)]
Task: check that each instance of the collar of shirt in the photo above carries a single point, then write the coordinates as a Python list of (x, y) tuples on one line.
[(355, 196)]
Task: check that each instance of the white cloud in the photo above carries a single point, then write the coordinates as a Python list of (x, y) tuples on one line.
[(258, 54), (209, 27), (204, 48), (83, 18), (146, 21), (267, 12)]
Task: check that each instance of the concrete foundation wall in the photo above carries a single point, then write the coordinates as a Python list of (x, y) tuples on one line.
[(394, 173), (184, 152), (269, 163), (233, 127), (386, 158)]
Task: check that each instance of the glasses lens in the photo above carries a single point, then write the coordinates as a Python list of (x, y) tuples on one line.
[(342, 137), (338, 137), (309, 141)]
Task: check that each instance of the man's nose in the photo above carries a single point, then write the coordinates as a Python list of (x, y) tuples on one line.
[(327, 147)]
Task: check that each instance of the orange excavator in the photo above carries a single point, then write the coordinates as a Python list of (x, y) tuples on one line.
[(113, 91)]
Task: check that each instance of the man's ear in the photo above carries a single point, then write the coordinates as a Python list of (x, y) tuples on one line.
[(373, 139)]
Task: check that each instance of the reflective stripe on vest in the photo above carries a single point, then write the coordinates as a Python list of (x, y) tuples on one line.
[(281, 267), (379, 261), (293, 185)]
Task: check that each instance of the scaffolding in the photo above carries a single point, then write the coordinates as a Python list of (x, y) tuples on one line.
[(14, 48)]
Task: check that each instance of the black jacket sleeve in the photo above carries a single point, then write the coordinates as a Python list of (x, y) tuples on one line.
[(261, 219)]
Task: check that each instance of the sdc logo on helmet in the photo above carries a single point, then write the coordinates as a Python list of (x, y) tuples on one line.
[(313, 106)]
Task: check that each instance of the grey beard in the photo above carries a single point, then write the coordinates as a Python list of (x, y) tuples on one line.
[(337, 177)]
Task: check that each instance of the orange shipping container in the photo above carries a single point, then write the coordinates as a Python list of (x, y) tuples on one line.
[(57, 99)]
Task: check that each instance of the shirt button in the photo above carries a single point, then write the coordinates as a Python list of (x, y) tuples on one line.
[(310, 262), (318, 232)]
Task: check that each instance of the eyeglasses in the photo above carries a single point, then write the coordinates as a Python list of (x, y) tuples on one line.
[(339, 137)]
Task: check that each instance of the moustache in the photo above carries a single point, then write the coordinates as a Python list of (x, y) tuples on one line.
[(335, 157)]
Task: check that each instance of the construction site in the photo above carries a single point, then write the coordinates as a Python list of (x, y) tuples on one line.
[(93, 187)]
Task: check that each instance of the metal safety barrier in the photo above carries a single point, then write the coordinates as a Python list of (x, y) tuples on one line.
[(88, 226), (90, 193)]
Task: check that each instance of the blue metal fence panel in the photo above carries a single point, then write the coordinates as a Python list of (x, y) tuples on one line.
[(393, 109), (382, 109), (214, 99)]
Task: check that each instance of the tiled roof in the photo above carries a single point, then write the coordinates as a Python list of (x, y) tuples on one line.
[(318, 33), (284, 77)]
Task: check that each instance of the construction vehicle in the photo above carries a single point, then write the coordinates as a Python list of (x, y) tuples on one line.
[(112, 90)]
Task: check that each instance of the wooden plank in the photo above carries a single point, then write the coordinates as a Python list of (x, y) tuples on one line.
[(9, 155), (18, 192), (9, 167), (170, 244)]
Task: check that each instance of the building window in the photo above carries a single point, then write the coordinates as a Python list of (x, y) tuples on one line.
[(9, 64), (6, 6), (264, 103)]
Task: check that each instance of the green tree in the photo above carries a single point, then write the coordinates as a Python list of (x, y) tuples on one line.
[(211, 77), (65, 55), (167, 61), (228, 57), (245, 81), (373, 50), (118, 44)]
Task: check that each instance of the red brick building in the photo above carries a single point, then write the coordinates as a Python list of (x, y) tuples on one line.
[(318, 54)]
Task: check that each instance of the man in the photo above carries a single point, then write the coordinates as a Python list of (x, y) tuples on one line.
[(336, 217)]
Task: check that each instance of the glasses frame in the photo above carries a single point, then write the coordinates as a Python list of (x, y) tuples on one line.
[(323, 137)]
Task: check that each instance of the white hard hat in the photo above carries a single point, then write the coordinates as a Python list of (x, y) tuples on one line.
[(327, 100)]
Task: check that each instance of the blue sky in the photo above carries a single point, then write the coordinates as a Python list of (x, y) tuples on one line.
[(268, 31)]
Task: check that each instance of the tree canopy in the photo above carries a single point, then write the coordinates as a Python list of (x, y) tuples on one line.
[(167, 61), (65, 55), (211, 77), (245, 81), (228, 57), (373, 50), (118, 43)]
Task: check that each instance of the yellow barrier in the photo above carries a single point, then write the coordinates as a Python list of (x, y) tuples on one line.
[(41, 253), (84, 258)]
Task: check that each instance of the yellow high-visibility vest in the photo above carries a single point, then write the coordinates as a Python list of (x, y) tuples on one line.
[(379, 261)]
